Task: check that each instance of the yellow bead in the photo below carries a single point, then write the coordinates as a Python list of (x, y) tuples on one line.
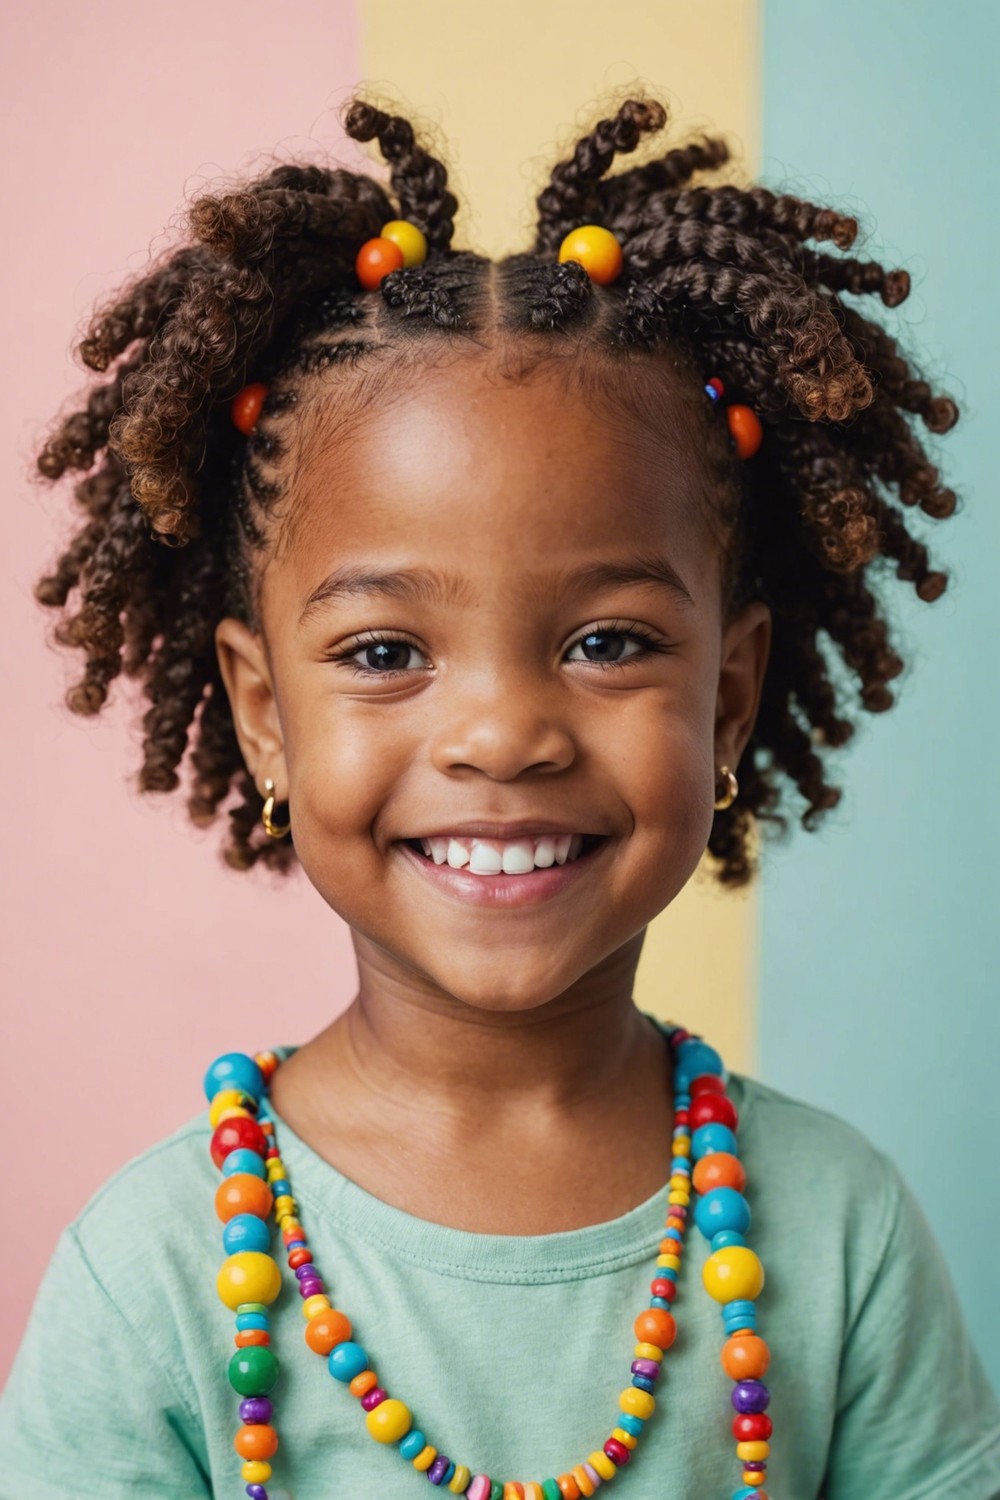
[(684, 1198), (411, 240), (753, 1450), (733, 1274), (284, 1205), (627, 1439), (672, 1262), (256, 1471), (754, 1477), (647, 1351), (584, 1483), (596, 249), (425, 1457), (389, 1421), (681, 1182), (459, 1482), (682, 1145), (532, 1491), (637, 1403), (248, 1276), (226, 1099), (312, 1305), (605, 1466), (236, 1112)]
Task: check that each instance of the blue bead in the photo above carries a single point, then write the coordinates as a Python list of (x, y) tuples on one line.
[(745, 1492), (246, 1232), (726, 1237), (252, 1320), (413, 1443), (667, 1271), (449, 1473), (233, 1070), (680, 1164), (673, 1234), (296, 1245), (712, 1137), (643, 1383), (721, 1208), (346, 1360), (737, 1309), (281, 1188), (681, 1101), (631, 1424), (244, 1160), (695, 1057), (659, 1302)]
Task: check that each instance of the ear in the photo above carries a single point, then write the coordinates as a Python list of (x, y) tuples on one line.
[(247, 677), (746, 645)]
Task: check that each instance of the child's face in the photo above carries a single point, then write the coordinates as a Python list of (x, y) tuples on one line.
[(487, 706)]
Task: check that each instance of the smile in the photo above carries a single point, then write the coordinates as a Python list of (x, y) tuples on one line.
[(493, 872)]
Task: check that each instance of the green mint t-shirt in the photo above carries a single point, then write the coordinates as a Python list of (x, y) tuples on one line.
[(510, 1350)]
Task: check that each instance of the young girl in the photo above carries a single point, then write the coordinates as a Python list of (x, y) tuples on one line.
[(492, 594)]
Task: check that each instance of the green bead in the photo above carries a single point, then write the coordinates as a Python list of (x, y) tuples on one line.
[(253, 1307), (253, 1371), (551, 1490), (496, 1493)]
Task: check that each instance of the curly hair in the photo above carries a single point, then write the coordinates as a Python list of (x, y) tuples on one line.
[(717, 274)]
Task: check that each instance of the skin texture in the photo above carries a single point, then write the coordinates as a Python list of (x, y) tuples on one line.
[(487, 1045)]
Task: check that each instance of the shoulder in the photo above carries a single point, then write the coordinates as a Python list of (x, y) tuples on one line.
[(160, 1181)]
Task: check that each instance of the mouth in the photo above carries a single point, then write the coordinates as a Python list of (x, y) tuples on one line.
[(506, 875)]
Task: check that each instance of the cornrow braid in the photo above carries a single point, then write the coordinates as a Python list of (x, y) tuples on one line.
[(718, 277)]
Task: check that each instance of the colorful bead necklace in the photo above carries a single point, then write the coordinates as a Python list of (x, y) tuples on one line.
[(255, 1180)]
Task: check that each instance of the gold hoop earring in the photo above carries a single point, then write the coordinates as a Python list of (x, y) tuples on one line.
[(273, 830), (732, 789)]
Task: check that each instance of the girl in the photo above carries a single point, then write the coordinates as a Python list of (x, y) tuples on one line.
[(492, 594)]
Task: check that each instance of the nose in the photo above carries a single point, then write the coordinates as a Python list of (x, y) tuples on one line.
[(504, 732)]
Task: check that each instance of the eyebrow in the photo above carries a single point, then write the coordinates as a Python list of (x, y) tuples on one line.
[(422, 586)]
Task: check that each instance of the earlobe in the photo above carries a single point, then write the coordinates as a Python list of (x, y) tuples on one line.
[(246, 674), (746, 647)]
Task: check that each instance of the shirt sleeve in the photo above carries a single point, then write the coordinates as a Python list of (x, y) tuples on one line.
[(87, 1410), (916, 1415)]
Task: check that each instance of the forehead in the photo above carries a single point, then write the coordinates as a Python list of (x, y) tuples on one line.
[(491, 470)]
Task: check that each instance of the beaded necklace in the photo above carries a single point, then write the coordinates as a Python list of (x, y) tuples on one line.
[(255, 1181)]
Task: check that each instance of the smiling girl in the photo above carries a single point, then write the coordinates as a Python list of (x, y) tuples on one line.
[(493, 595)]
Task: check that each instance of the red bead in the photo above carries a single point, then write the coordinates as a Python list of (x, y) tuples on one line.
[(234, 1134), (681, 1117), (300, 1257), (713, 1109), (752, 1427), (617, 1452), (245, 407), (376, 259), (662, 1287), (706, 1083), (716, 385)]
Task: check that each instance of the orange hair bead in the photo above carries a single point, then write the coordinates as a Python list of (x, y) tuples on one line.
[(655, 1325), (719, 1169), (243, 1193), (245, 408), (375, 259), (744, 1356), (744, 424), (327, 1328), (258, 1440)]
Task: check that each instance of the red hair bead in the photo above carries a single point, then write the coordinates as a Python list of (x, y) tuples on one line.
[(245, 409), (376, 259)]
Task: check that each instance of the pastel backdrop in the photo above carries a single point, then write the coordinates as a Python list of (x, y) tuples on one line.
[(856, 973)]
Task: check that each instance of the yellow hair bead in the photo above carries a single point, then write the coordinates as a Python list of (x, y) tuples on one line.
[(596, 249), (425, 1457), (605, 1466), (647, 1351), (733, 1274), (256, 1471), (459, 1482), (248, 1276), (389, 1421), (584, 1483), (753, 1450), (627, 1439), (411, 240), (312, 1305), (636, 1403)]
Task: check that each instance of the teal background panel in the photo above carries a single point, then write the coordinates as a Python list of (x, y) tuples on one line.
[(880, 935)]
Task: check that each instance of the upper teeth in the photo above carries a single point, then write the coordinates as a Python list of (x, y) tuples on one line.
[(496, 856)]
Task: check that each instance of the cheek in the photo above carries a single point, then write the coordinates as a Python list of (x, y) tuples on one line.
[(341, 771)]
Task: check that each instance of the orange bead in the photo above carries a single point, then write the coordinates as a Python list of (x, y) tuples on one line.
[(744, 424), (244, 410), (719, 1169), (243, 1193), (596, 249), (327, 1328), (252, 1338), (655, 1326), (513, 1491), (568, 1487), (366, 1381), (376, 259), (744, 1356), (258, 1440)]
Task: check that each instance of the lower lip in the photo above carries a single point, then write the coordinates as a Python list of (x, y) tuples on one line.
[(504, 890)]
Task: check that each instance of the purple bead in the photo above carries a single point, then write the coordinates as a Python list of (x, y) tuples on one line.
[(438, 1468), (256, 1492), (374, 1397), (309, 1289), (755, 1465), (648, 1367), (750, 1395), (256, 1409), (306, 1270)]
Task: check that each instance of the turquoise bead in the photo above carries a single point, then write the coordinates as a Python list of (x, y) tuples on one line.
[(667, 1271), (631, 1424), (346, 1360), (721, 1208), (680, 1164), (551, 1490), (244, 1160), (643, 1383), (251, 1320), (745, 1492), (449, 1473), (233, 1070), (712, 1137), (693, 1058), (660, 1301), (246, 1232), (413, 1443), (726, 1237)]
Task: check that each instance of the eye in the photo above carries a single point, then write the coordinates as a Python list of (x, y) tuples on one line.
[(604, 638), (384, 655)]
